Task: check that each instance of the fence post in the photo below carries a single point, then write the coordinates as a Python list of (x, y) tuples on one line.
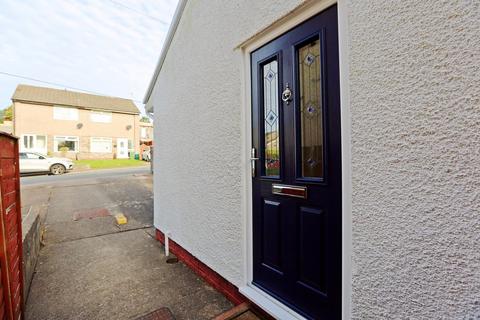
[(11, 252)]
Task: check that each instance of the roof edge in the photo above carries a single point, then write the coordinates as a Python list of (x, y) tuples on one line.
[(168, 41), (72, 106)]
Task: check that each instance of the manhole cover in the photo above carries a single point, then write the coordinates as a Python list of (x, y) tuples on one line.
[(91, 213)]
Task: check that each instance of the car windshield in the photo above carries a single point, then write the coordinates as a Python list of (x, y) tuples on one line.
[(42, 155), (31, 155)]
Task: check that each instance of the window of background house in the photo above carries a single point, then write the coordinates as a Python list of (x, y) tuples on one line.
[(41, 143), (34, 142), (98, 116), (65, 113), (28, 141), (101, 145), (61, 143), (143, 133)]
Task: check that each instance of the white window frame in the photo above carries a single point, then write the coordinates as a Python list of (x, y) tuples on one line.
[(66, 138), (34, 148), (65, 113), (27, 148), (101, 138), (100, 116)]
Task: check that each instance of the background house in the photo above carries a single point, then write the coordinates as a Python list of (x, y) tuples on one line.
[(146, 133), (74, 124), (146, 140), (403, 80)]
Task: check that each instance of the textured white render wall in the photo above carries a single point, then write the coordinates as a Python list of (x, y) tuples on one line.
[(415, 110), (197, 100)]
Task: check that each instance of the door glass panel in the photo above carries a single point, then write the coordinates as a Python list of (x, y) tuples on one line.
[(311, 110), (271, 118)]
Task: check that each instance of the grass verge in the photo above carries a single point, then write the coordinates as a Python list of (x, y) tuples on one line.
[(109, 163)]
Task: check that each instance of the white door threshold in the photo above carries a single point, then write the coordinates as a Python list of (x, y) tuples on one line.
[(269, 304)]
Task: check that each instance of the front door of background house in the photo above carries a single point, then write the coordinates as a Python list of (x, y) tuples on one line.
[(297, 177), (122, 148)]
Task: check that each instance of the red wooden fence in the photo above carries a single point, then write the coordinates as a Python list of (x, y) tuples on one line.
[(11, 292)]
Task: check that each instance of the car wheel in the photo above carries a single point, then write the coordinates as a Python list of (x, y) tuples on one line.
[(57, 169)]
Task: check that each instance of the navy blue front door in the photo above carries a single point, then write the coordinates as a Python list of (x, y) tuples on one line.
[(297, 223)]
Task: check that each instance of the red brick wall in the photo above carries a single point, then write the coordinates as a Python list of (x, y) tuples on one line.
[(214, 279)]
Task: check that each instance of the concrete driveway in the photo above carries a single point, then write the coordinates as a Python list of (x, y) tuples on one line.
[(91, 268)]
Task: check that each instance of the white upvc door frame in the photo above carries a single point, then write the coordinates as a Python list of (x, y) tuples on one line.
[(292, 19), (119, 152)]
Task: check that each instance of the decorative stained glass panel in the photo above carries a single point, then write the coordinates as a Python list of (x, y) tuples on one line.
[(311, 110), (271, 119)]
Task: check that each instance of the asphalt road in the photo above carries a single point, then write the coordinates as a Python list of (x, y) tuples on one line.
[(45, 179)]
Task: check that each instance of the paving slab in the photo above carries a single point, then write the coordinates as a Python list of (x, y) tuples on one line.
[(92, 268), (115, 195), (131, 196), (117, 276)]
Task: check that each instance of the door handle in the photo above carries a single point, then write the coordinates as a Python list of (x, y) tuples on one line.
[(253, 158)]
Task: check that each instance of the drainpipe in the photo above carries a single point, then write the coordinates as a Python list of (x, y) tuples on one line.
[(167, 247)]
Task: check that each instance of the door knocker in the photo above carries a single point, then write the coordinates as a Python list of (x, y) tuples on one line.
[(287, 94)]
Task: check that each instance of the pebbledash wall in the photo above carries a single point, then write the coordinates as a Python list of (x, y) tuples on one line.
[(411, 87), (415, 112), (197, 98)]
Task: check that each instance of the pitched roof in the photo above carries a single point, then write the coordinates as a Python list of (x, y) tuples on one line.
[(44, 95)]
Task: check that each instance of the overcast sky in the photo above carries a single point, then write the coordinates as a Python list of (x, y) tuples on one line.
[(105, 46)]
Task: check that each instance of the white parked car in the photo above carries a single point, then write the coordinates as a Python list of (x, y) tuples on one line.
[(31, 162)]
